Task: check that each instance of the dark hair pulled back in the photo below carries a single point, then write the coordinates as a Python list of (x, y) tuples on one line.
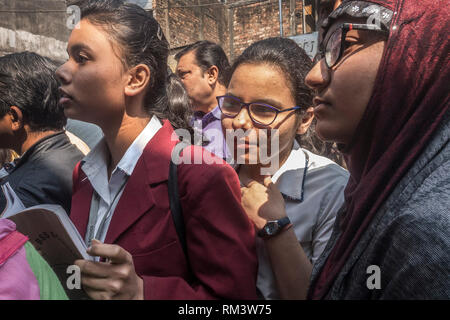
[(295, 64), (141, 41)]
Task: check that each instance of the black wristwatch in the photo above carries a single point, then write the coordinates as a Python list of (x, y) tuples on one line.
[(274, 227)]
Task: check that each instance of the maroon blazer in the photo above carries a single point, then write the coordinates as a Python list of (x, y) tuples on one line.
[(220, 239)]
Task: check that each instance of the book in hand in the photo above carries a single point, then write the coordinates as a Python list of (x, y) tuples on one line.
[(13, 202), (55, 237)]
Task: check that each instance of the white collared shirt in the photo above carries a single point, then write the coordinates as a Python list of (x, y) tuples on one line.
[(312, 218), (95, 166)]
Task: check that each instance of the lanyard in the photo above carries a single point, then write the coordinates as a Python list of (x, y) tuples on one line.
[(93, 216), (304, 175)]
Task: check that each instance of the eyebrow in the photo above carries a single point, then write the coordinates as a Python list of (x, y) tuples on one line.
[(78, 47), (271, 102)]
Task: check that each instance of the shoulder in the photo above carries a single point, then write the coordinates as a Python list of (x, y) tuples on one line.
[(202, 175), (327, 179), (424, 197), (55, 156), (425, 212), (326, 167), (199, 162)]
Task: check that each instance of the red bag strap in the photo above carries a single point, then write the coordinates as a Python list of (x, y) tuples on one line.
[(10, 244)]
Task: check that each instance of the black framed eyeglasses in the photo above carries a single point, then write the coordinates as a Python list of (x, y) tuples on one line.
[(260, 113), (332, 47)]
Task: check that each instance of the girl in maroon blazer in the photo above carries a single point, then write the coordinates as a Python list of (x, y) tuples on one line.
[(115, 77)]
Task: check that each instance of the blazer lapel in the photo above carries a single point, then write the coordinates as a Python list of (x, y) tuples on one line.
[(81, 203), (137, 198)]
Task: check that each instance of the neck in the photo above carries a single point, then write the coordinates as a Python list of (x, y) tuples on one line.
[(120, 136), (211, 103), (30, 138)]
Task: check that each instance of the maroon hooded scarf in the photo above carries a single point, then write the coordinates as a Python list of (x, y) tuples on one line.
[(409, 100)]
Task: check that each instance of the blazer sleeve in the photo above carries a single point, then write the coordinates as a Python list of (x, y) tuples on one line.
[(220, 239)]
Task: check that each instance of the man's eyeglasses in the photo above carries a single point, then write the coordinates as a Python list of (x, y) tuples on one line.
[(260, 113), (333, 46)]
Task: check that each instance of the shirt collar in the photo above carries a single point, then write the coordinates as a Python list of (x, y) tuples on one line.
[(134, 152), (209, 117), (289, 177), (98, 158)]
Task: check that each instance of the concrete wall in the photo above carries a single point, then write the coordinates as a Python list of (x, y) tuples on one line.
[(34, 25)]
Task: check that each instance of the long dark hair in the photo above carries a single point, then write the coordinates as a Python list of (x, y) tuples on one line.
[(295, 64), (141, 41)]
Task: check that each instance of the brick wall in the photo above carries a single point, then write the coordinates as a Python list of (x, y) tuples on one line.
[(187, 21), (234, 24), (260, 20)]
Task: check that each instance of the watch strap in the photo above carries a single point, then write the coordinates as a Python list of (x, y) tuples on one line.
[(282, 224)]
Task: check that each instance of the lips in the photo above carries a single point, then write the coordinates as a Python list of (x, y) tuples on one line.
[(65, 97), (320, 105), (319, 101)]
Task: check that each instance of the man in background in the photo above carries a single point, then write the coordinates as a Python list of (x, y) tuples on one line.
[(31, 124), (204, 70)]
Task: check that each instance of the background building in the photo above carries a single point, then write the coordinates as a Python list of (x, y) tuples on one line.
[(43, 26)]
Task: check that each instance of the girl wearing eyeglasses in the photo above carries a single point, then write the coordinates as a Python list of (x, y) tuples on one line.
[(381, 92), (292, 200), (116, 77)]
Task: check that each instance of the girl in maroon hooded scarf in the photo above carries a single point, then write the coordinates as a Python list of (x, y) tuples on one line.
[(381, 87)]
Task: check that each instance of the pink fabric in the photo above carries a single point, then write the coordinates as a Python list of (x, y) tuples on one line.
[(10, 244), (17, 280)]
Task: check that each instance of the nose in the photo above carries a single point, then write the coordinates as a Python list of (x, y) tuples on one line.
[(318, 77), (242, 120), (63, 74)]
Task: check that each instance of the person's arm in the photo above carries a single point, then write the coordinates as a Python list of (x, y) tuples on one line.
[(290, 265)]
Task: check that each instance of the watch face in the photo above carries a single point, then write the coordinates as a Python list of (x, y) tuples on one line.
[(271, 227)]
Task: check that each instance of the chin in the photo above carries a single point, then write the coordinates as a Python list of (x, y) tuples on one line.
[(75, 114), (71, 114), (327, 133)]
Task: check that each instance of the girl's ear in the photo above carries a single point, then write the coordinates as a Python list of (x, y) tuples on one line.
[(212, 75), (138, 78), (16, 116), (306, 121)]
